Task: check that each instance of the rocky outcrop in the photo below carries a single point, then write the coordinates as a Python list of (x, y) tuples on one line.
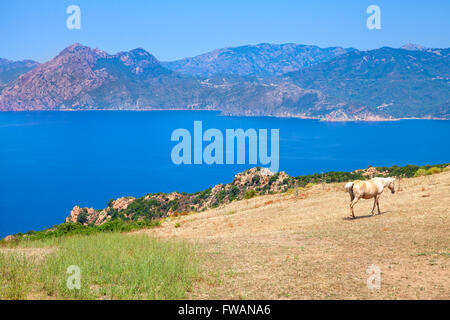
[(371, 172), (88, 216), (9, 238), (121, 203), (261, 180)]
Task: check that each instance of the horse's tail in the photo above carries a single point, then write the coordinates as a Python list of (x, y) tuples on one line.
[(349, 189)]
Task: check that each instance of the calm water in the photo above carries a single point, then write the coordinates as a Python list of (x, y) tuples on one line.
[(51, 161)]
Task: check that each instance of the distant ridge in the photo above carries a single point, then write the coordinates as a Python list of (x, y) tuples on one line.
[(413, 47), (260, 60)]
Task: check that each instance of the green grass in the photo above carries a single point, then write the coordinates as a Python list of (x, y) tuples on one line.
[(16, 274), (113, 266)]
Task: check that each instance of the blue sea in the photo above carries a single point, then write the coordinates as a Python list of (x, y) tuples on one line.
[(52, 161)]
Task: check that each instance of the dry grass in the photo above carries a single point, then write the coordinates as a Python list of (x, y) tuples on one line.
[(300, 247)]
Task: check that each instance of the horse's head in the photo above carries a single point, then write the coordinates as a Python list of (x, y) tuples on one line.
[(391, 184)]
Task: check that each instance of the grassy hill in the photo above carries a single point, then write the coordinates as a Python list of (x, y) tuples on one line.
[(303, 245), (295, 244)]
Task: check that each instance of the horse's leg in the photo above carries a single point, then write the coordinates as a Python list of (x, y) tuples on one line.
[(378, 205), (352, 204), (374, 203)]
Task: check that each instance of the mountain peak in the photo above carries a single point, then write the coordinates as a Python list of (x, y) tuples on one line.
[(413, 47), (75, 47), (139, 59), (79, 49)]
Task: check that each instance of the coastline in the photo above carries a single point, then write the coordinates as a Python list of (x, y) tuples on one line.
[(267, 183), (280, 116)]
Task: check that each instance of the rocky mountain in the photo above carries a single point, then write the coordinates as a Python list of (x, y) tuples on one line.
[(11, 70), (386, 82), (260, 60), (81, 78), (380, 84)]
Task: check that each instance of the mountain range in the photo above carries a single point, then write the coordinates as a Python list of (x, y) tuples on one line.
[(287, 80), (260, 60)]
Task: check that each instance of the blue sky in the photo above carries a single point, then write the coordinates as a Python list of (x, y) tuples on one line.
[(174, 29)]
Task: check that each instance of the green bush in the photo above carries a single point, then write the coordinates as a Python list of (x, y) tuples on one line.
[(434, 170), (420, 172), (256, 179), (233, 193), (83, 216), (249, 194)]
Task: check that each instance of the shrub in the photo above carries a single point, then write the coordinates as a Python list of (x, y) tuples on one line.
[(256, 179), (83, 216), (110, 203), (249, 194), (233, 193), (433, 170), (273, 178), (420, 172)]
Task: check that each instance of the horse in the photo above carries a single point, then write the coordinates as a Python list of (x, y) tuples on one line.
[(368, 189)]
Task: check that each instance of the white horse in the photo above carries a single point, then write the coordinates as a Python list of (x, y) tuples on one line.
[(367, 190)]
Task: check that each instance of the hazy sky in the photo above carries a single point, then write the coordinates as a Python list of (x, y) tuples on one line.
[(173, 29)]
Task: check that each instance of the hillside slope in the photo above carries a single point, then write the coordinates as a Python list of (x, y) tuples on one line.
[(297, 246), (387, 82)]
